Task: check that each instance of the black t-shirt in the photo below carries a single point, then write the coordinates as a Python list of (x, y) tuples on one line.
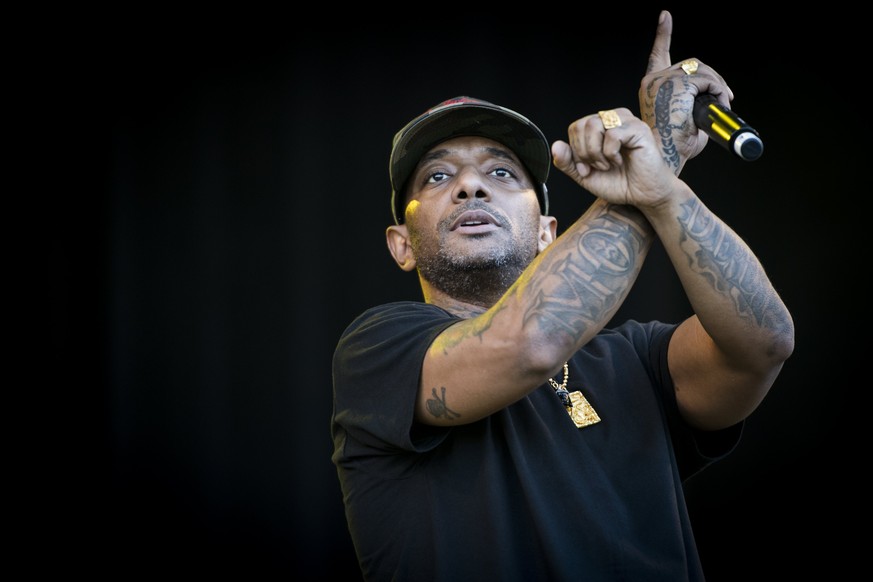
[(522, 494)]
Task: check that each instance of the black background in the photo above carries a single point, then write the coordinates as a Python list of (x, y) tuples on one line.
[(224, 221)]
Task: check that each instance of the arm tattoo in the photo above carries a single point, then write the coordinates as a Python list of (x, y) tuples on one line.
[(437, 406), (584, 287), (724, 262)]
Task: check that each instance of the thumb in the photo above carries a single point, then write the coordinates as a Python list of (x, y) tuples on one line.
[(562, 157), (659, 58)]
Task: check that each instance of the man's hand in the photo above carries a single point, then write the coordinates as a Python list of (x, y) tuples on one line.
[(666, 96), (618, 163)]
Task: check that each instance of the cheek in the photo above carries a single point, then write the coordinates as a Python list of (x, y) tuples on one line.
[(425, 216), (413, 208)]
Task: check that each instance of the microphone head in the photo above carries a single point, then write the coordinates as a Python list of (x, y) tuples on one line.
[(748, 145)]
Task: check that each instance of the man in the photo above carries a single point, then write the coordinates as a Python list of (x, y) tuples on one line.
[(497, 430)]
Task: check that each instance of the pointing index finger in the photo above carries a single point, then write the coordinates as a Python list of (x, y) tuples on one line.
[(659, 58)]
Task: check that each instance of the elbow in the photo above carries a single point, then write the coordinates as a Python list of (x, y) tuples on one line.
[(783, 349), (782, 344), (543, 359)]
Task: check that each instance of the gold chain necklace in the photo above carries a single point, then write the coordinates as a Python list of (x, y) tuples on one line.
[(578, 407), (561, 389)]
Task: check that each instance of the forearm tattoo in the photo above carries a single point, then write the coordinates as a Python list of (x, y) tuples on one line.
[(725, 262), (584, 287)]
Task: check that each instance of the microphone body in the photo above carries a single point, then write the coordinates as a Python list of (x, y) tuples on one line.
[(725, 128)]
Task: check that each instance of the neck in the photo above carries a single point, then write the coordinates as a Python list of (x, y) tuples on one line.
[(468, 292)]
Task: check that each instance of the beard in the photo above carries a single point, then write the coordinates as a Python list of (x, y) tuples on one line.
[(479, 278)]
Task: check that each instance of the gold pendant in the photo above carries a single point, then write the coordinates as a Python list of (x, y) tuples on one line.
[(582, 413)]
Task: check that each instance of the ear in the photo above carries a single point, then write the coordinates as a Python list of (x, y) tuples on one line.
[(397, 237), (548, 231)]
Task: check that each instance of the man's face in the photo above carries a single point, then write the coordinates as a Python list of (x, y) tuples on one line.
[(472, 209)]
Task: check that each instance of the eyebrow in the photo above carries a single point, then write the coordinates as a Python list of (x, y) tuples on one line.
[(441, 153)]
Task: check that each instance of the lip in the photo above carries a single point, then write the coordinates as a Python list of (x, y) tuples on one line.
[(475, 221)]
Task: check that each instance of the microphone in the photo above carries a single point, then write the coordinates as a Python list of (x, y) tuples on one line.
[(724, 127)]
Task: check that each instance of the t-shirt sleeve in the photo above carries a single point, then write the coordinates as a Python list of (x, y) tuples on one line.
[(376, 373), (694, 449)]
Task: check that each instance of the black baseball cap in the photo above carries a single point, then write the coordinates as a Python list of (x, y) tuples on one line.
[(463, 116)]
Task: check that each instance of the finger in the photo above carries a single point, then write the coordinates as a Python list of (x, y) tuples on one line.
[(659, 58), (587, 139), (706, 80), (718, 86), (612, 142), (612, 122)]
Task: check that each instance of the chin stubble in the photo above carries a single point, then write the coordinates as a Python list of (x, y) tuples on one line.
[(480, 278)]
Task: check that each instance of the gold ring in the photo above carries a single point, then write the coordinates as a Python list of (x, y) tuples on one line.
[(689, 66), (609, 118)]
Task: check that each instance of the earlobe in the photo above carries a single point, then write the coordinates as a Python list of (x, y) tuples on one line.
[(397, 238), (548, 231)]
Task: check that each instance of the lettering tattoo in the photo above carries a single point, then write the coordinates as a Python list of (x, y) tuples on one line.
[(722, 260), (585, 287), (438, 408)]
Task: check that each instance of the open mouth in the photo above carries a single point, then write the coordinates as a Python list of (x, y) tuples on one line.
[(475, 221)]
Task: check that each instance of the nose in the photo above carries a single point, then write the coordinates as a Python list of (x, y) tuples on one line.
[(470, 183)]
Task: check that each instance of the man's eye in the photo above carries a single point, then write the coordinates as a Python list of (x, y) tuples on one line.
[(437, 177), (503, 173)]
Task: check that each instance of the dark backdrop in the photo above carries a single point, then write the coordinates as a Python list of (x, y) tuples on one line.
[(231, 224)]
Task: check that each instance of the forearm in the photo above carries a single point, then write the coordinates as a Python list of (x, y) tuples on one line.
[(726, 284), (581, 280), (726, 358), (562, 300)]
